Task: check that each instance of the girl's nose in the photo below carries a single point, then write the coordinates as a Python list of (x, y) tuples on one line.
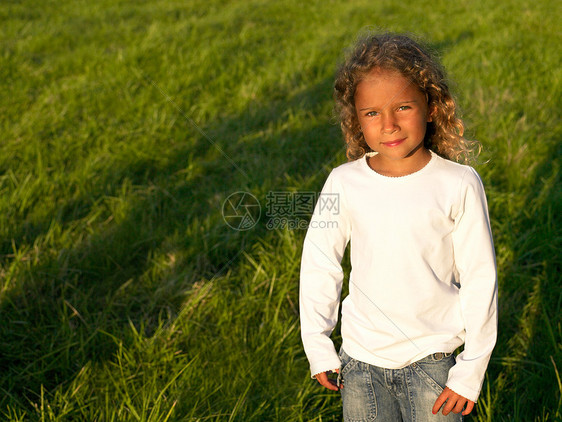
[(389, 124)]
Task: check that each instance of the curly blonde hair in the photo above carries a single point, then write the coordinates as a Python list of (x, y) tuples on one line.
[(444, 134)]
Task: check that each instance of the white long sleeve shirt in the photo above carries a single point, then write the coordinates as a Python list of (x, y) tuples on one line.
[(423, 277)]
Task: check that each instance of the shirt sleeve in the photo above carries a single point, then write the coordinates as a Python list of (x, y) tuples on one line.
[(476, 269), (321, 276)]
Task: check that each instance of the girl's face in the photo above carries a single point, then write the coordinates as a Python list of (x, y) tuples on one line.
[(393, 115)]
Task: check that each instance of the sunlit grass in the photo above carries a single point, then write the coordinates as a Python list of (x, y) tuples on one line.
[(125, 125)]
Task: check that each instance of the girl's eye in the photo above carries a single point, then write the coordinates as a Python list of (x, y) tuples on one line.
[(371, 114), (405, 107)]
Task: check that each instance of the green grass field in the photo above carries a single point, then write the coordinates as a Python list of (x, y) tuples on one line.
[(125, 125)]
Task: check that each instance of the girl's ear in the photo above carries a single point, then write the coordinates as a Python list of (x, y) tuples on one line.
[(430, 113)]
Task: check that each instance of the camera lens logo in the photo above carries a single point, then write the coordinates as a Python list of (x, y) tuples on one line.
[(241, 211)]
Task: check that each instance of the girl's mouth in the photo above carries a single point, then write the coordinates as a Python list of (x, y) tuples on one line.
[(394, 143)]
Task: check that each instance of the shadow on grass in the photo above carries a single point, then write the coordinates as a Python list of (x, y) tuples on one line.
[(530, 299), (68, 307)]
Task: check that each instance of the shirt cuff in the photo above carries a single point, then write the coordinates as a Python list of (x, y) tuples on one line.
[(324, 366), (467, 393)]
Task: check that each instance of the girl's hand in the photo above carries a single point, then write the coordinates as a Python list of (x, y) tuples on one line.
[(455, 402), (330, 384)]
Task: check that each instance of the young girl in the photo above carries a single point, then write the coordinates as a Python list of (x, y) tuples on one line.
[(423, 279)]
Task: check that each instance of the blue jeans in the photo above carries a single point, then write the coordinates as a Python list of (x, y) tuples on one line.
[(371, 393)]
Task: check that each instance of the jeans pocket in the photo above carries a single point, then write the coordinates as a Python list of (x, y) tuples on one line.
[(358, 393), (434, 373), (347, 362)]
